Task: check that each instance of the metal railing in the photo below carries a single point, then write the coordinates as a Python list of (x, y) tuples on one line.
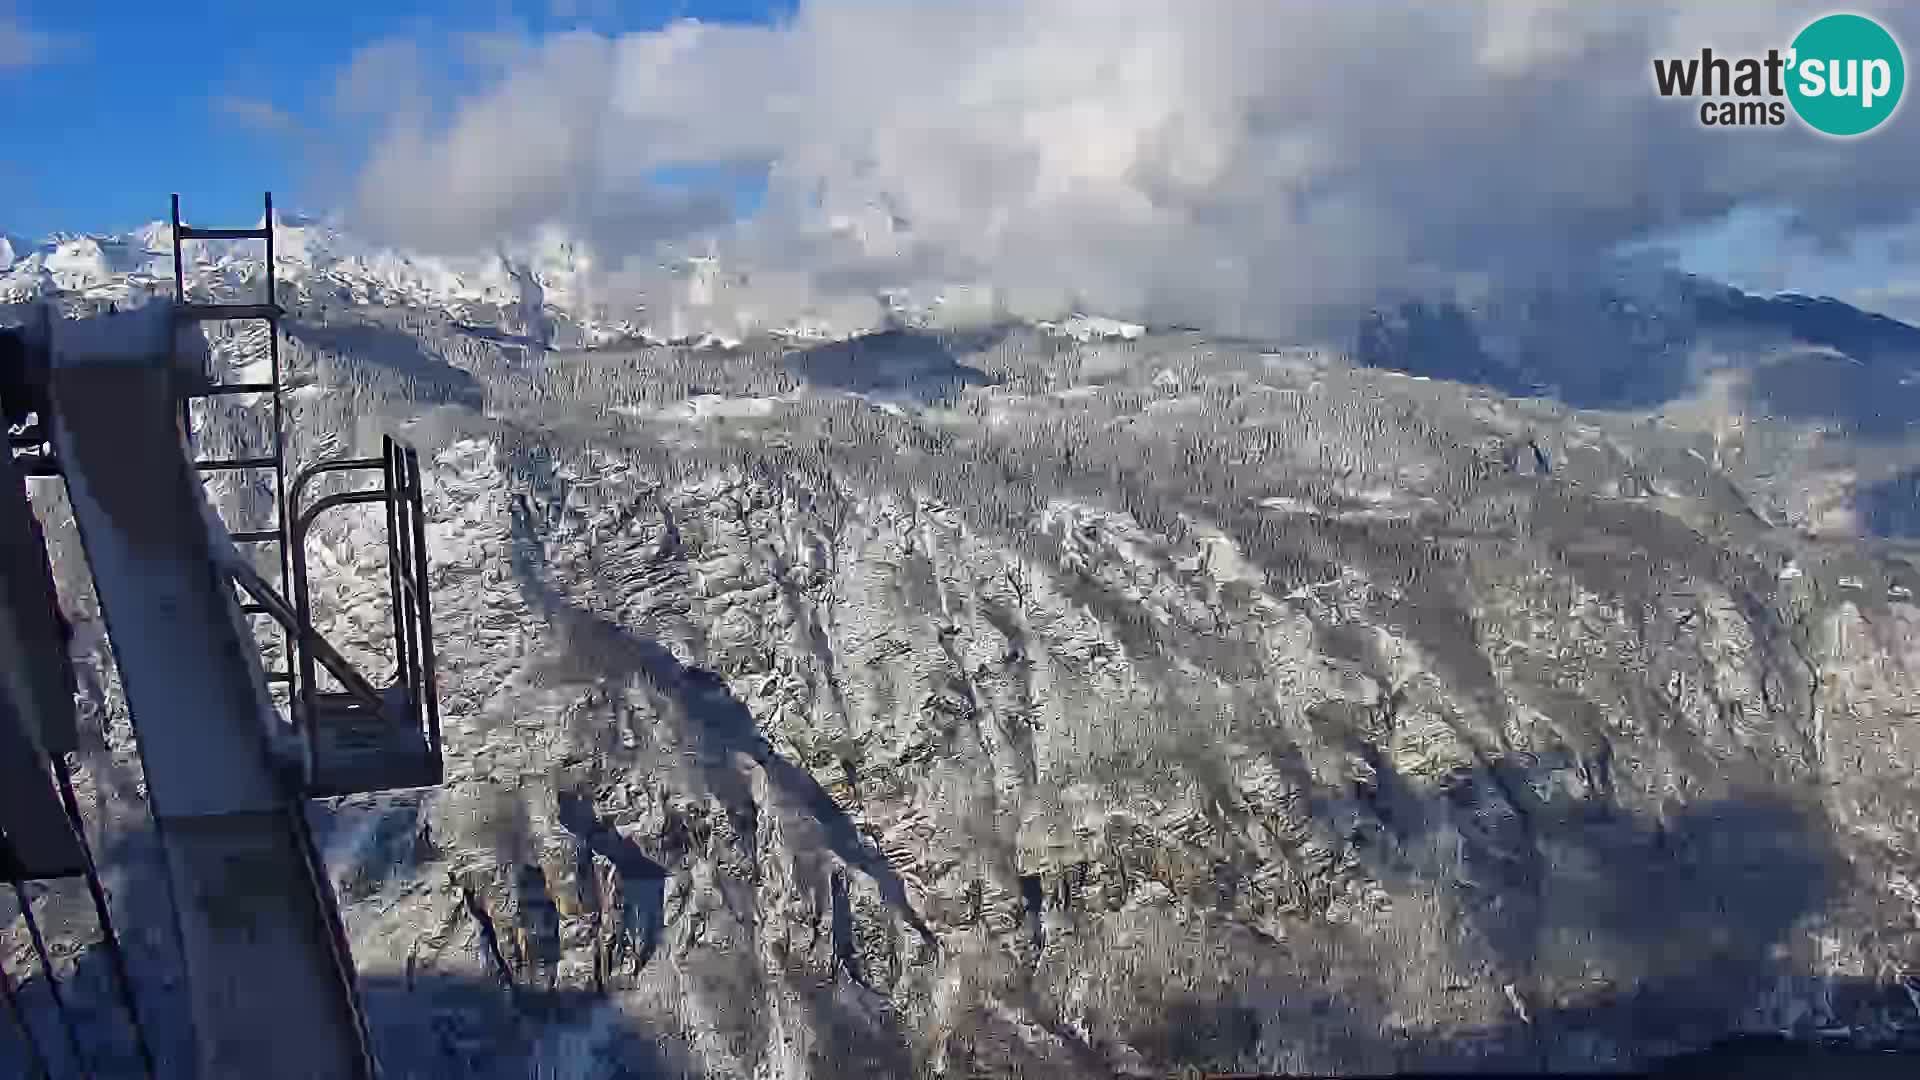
[(411, 608)]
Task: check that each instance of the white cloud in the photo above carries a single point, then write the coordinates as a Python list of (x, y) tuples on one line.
[(1240, 163), (383, 80), (582, 10), (254, 114), (523, 154), (22, 46)]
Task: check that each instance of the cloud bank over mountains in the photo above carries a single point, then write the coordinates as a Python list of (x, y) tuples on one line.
[(1240, 164)]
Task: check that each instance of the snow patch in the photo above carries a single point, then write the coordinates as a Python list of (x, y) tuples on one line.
[(1224, 561), (716, 407), (1286, 504), (1094, 328), (704, 407)]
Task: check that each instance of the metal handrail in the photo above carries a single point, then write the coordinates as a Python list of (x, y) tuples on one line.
[(338, 666), (400, 491), (425, 682), (338, 498), (340, 465), (297, 536)]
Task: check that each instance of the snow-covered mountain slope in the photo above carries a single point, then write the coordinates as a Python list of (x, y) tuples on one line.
[(1013, 704), (547, 288), (1620, 344), (315, 262)]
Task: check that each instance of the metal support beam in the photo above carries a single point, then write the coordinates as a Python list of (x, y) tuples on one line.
[(198, 232), (36, 698), (222, 312), (269, 977)]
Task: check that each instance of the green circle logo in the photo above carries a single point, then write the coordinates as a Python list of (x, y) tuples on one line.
[(1846, 75)]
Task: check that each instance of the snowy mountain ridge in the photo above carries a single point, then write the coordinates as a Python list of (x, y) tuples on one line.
[(309, 255), (551, 277)]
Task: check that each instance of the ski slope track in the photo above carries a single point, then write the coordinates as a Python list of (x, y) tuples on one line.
[(1089, 699)]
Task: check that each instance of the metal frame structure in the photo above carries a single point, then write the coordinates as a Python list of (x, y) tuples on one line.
[(405, 717), (257, 924), (258, 927), (362, 738), (269, 311), (42, 833), (31, 449)]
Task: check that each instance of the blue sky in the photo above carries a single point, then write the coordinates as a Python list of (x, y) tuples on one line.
[(106, 107), (122, 102)]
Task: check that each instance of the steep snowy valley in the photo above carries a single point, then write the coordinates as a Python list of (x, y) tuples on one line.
[(1031, 702)]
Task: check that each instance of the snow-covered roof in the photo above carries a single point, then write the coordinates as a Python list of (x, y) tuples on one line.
[(116, 337)]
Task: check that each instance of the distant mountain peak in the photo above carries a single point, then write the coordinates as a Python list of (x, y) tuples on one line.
[(1598, 347)]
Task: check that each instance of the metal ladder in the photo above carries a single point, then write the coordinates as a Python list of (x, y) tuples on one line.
[(268, 311)]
